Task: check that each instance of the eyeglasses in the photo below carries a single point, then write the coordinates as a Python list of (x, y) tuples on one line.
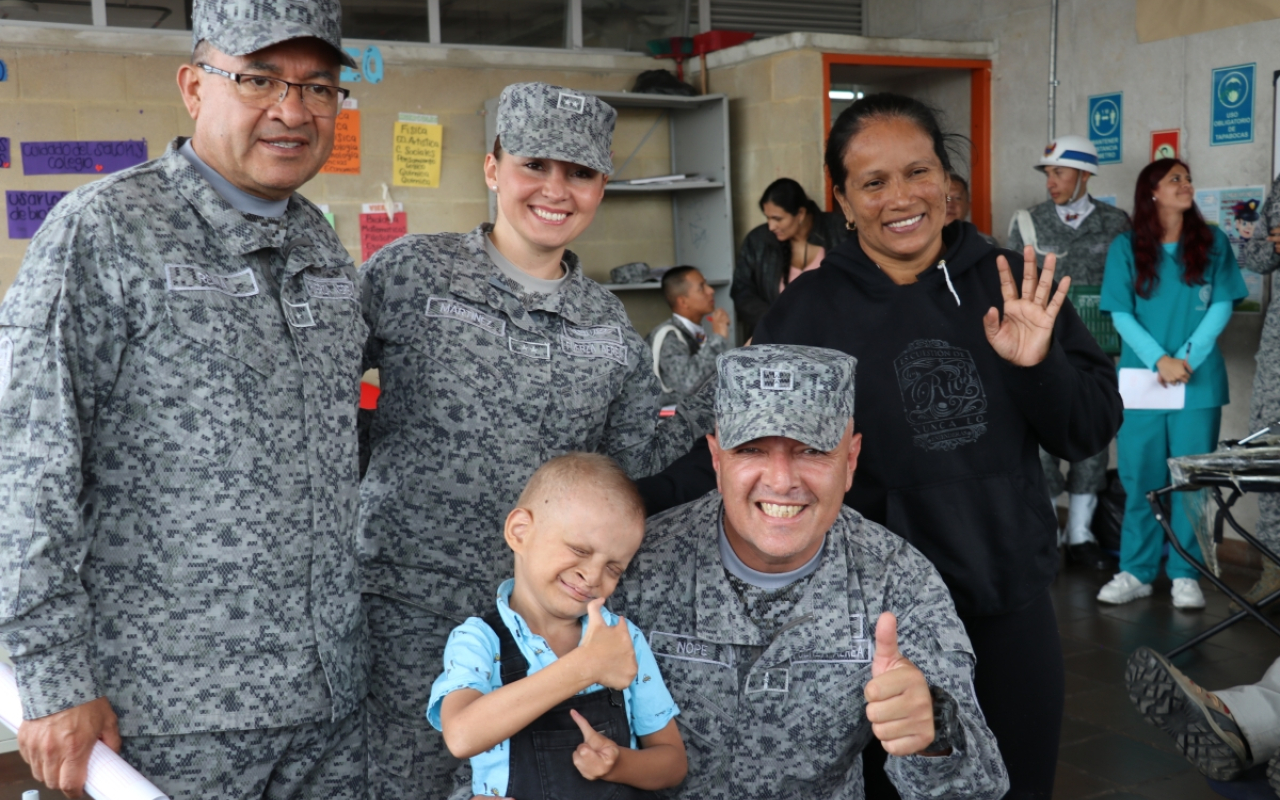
[(262, 92)]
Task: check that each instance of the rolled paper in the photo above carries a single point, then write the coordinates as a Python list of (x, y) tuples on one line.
[(110, 776)]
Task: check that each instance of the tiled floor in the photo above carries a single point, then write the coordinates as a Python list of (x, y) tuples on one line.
[(1107, 750)]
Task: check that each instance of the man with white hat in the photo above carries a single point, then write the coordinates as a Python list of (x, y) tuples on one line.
[(179, 375), (1078, 230)]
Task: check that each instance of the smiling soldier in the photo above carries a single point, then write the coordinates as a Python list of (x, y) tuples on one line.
[(178, 445), (791, 631)]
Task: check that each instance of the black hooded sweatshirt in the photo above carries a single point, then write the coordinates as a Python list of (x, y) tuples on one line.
[(950, 430)]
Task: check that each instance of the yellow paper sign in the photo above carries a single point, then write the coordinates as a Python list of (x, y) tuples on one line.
[(345, 158), (417, 154)]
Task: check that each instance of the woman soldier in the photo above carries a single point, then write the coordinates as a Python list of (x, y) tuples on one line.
[(496, 353)]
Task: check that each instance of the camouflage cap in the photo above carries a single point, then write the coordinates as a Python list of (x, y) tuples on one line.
[(802, 393), (539, 120), (241, 27)]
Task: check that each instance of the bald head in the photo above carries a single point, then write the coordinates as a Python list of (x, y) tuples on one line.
[(574, 474)]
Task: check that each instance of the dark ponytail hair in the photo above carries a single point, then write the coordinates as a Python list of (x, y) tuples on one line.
[(789, 196), (1148, 232), (883, 106)]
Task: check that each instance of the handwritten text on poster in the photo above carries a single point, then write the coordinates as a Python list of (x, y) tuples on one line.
[(378, 229), (81, 158), (417, 155), (26, 210)]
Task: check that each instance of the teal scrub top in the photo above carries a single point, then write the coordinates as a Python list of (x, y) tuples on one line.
[(1174, 309)]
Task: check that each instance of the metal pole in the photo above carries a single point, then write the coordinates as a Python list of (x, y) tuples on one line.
[(1053, 67)]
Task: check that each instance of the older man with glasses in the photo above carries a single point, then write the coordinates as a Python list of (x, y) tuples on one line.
[(179, 373)]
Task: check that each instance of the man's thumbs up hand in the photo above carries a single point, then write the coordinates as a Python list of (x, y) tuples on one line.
[(899, 706)]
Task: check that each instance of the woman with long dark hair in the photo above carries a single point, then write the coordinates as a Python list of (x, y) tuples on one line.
[(795, 237), (968, 362), (1170, 285)]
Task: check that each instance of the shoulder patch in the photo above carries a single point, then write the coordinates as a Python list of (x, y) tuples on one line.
[(452, 309), (188, 278), (329, 288)]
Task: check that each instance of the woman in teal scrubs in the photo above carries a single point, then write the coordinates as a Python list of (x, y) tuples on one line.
[(1170, 285)]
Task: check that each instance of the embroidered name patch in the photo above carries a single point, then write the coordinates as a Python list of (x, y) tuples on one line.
[(776, 380), (186, 278), (299, 315), (859, 653), (609, 350), (687, 648), (775, 679), (539, 350), (330, 288), (451, 309), (571, 102), (6, 364), (593, 333)]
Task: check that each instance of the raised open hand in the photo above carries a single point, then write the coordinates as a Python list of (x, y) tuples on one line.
[(1025, 333), (597, 754)]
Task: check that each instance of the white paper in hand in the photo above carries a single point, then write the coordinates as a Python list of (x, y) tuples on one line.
[(110, 776), (1141, 388)]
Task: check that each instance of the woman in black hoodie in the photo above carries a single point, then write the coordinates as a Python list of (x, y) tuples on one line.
[(961, 377)]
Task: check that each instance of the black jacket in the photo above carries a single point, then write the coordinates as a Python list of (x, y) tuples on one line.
[(950, 430), (763, 260)]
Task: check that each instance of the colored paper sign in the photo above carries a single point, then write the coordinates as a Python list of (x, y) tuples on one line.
[(1232, 120), (1164, 144), (328, 216), (416, 155), (378, 229), (345, 158), (81, 158), (1106, 126), (26, 210), (4, 153), (1235, 210)]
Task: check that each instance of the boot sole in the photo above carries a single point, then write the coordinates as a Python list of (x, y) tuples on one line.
[(1161, 697)]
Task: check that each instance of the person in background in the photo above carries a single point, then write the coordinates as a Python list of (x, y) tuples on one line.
[(1261, 254), (684, 354), (795, 237), (965, 368), (179, 372), (958, 204), (1170, 286), (1078, 230), (497, 353)]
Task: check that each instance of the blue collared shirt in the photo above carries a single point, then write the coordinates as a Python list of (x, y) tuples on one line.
[(470, 662)]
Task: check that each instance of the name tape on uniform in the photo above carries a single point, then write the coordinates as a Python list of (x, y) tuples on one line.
[(593, 349), (186, 278), (593, 333), (451, 309), (330, 288), (687, 648)]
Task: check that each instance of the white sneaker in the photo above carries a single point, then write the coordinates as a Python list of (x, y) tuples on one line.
[(1123, 588), (1187, 594)]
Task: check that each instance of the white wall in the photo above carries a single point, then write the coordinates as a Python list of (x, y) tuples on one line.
[(1166, 84)]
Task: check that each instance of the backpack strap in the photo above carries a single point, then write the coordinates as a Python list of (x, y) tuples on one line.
[(513, 664), (1027, 228), (658, 339)]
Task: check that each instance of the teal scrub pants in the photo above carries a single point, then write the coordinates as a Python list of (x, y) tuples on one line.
[(1145, 441)]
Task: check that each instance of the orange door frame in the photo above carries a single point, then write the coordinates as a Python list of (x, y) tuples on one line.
[(979, 118)]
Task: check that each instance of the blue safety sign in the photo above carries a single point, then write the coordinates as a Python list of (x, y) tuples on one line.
[(1106, 126), (1233, 90)]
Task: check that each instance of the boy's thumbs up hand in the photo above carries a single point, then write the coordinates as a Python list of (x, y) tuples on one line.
[(899, 705), (611, 656)]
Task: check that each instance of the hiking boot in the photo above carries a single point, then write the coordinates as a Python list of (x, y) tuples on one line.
[(1202, 728), (1123, 588)]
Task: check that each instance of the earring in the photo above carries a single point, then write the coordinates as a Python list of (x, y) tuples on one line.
[(948, 198), (493, 188), (850, 225)]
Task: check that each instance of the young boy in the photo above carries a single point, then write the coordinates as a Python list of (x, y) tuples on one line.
[(548, 692)]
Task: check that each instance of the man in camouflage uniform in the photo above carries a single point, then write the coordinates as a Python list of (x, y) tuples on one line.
[(179, 373), (486, 373), (789, 629), (684, 355), (1079, 230), (1261, 254)]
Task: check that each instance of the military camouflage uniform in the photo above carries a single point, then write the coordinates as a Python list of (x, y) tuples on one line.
[(684, 361), (1259, 255), (1082, 256), (178, 470), (771, 693), (482, 381)]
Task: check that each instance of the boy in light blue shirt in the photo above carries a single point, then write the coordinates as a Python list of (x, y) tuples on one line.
[(548, 695)]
